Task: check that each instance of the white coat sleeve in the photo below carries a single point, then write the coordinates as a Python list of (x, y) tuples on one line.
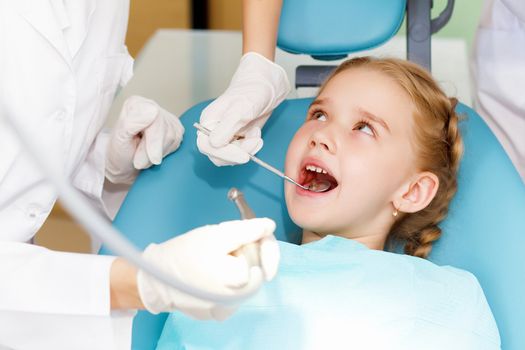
[(499, 75), (90, 177), (56, 300)]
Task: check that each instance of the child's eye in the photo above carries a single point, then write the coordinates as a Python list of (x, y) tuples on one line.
[(365, 127), (318, 115), (321, 117)]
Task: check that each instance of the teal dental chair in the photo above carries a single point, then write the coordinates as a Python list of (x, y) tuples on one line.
[(484, 232)]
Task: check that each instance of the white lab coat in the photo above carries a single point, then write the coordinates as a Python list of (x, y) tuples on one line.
[(499, 74), (61, 62)]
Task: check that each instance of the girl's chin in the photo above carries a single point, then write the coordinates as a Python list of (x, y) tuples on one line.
[(309, 221)]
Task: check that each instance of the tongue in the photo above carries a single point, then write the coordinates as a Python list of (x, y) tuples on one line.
[(314, 180)]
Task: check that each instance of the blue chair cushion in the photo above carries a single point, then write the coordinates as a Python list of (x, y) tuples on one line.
[(312, 27), (483, 233)]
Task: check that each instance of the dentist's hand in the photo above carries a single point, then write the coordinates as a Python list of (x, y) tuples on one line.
[(257, 87), (144, 134), (202, 258)]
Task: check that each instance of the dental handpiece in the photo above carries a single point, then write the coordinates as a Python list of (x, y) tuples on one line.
[(249, 251)]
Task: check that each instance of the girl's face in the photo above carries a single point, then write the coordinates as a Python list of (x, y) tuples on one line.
[(358, 135)]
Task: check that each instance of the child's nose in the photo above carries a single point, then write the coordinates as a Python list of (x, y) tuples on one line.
[(321, 138)]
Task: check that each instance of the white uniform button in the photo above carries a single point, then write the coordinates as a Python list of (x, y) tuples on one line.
[(33, 211)]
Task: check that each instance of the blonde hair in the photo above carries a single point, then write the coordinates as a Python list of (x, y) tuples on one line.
[(438, 145)]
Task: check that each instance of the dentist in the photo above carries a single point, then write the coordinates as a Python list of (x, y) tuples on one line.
[(61, 62)]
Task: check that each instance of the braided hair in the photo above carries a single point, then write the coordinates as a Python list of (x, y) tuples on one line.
[(442, 154)]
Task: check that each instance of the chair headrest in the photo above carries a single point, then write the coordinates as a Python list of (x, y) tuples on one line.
[(330, 29)]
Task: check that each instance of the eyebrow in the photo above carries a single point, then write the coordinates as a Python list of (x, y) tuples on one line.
[(374, 118), (318, 102)]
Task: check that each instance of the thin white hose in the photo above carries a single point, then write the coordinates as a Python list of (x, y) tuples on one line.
[(99, 226)]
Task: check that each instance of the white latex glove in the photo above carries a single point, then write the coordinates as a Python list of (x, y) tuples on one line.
[(144, 134), (202, 258), (257, 87)]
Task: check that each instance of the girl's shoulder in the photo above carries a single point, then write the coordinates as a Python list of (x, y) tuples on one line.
[(452, 298), (427, 271)]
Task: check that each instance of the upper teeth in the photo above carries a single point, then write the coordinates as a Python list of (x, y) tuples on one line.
[(316, 169)]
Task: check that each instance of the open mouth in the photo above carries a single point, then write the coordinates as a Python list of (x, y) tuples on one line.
[(316, 177)]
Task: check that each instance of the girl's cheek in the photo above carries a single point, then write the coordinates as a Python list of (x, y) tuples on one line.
[(291, 154), (304, 132), (308, 127), (299, 141)]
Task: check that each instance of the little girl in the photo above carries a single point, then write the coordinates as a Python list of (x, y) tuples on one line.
[(385, 137)]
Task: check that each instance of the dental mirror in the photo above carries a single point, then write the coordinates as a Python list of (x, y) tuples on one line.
[(319, 186)]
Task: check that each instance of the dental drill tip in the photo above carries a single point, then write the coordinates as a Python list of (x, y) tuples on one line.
[(233, 194)]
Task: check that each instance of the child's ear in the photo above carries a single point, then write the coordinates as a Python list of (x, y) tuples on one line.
[(418, 194)]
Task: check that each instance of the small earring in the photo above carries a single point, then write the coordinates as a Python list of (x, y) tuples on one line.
[(395, 212)]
